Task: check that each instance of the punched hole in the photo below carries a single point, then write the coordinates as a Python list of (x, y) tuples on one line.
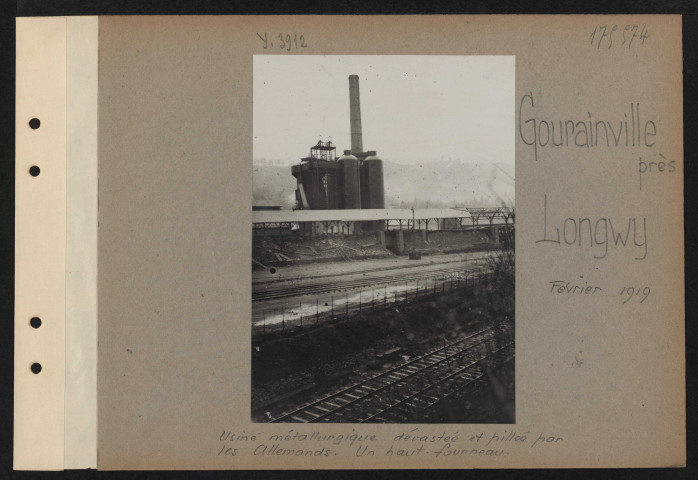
[(272, 270), (34, 123), (36, 368), (34, 171), (35, 322)]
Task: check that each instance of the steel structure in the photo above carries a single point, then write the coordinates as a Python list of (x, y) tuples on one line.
[(490, 213), (285, 222), (323, 151)]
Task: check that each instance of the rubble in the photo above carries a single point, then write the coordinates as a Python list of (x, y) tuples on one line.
[(283, 251)]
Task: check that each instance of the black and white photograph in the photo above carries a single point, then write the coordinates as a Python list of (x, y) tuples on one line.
[(383, 239)]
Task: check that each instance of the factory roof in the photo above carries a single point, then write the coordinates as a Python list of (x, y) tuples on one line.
[(285, 216)]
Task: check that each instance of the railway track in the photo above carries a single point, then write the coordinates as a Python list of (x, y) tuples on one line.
[(341, 285), (397, 394)]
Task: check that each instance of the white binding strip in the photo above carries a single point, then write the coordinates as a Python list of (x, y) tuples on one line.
[(81, 245)]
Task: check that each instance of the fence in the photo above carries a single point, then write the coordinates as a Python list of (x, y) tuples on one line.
[(344, 305)]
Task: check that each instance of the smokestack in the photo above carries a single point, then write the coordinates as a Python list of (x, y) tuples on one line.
[(355, 115)]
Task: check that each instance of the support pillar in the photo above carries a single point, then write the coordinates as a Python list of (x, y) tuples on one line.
[(399, 242)]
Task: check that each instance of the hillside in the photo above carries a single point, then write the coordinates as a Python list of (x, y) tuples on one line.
[(274, 183), (445, 184), (434, 184)]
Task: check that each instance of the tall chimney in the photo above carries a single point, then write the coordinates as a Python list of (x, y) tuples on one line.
[(355, 115)]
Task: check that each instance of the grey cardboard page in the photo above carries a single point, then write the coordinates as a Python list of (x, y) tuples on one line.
[(595, 123)]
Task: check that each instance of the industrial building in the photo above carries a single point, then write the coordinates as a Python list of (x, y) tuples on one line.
[(346, 195), (353, 181)]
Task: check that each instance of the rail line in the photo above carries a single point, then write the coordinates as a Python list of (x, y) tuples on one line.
[(341, 285), (394, 395)]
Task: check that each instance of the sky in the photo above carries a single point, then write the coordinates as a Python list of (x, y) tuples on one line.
[(414, 109)]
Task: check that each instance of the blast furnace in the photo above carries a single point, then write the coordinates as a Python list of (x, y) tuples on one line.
[(354, 181)]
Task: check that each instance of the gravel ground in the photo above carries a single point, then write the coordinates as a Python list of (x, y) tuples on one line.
[(318, 270)]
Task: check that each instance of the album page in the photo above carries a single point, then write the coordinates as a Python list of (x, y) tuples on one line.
[(363, 242)]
